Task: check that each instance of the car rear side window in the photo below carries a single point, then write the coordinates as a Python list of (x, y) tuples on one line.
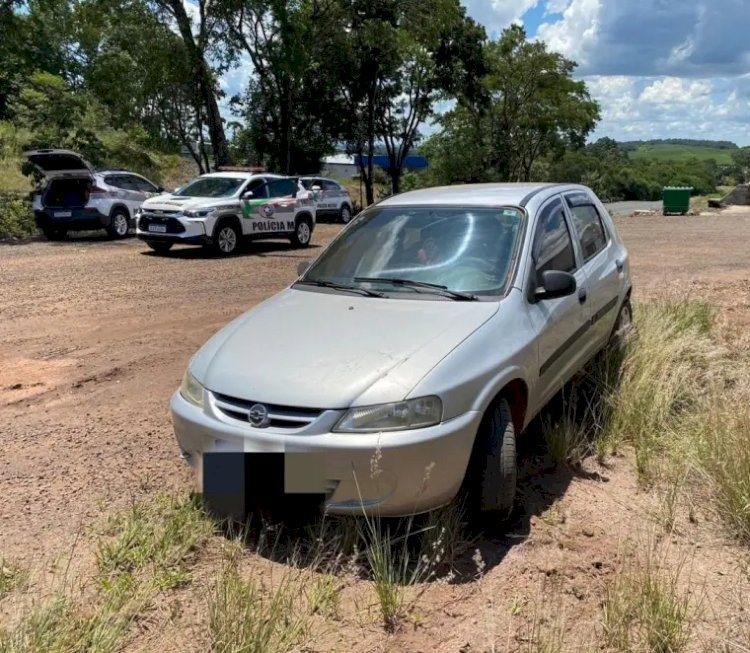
[(142, 185), (588, 224), (330, 185), (553, 246)]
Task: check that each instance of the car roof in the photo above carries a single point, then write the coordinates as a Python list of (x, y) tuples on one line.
[(242, 175), (511, 194)]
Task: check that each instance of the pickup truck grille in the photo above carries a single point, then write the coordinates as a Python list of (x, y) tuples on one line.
[(279, 417), (173, 225)]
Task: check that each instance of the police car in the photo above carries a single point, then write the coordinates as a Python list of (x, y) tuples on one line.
[(219, 209)]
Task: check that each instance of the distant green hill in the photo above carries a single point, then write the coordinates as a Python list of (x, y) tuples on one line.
[(681, 150)]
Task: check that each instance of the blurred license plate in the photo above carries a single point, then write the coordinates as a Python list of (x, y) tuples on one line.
[(63, 214), (158, 228)]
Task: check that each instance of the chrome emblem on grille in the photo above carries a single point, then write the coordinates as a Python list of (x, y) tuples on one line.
[(258, 416)]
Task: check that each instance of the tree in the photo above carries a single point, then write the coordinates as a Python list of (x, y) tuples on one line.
[(197, 48), (293, 106), (533, 108)]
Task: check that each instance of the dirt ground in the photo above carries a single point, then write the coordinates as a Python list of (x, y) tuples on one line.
[(95, 335)]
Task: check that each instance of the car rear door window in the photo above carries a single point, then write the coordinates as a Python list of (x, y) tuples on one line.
[(553, 246), (588, 224), (282, 188)]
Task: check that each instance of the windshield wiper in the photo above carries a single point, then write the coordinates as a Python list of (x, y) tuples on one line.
[(341, 286), (410, 283)]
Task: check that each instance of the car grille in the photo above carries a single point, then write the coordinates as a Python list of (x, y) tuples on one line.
[(174, 226), (280, 417)]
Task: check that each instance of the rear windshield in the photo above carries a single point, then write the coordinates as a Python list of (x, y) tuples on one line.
[(465, 249), (211, 187)]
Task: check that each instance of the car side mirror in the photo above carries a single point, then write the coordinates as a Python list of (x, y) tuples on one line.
[(555, 284), (303, 267), (315, 189), (248, 194)]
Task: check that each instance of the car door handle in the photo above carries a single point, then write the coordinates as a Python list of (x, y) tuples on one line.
[(620, 265), (582, 295)]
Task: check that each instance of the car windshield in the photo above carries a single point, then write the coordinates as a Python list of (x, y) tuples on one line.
[(464, 249), (211, 187)]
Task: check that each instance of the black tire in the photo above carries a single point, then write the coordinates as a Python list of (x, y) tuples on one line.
[(159, 248), (226, 238), (119, 224), (302, 232), (623, 326), (493, 470), (345, 216), (54, 233)]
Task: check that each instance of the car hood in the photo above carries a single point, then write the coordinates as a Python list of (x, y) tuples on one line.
[(171, 202), (328, 350)]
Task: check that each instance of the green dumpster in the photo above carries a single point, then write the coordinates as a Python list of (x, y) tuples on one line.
[(676, 200)]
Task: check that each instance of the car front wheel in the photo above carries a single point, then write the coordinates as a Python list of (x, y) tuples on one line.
[(346, 214), (493, 469), (226, 239)]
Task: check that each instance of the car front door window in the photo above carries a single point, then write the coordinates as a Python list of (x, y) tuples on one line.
[(561, 324)]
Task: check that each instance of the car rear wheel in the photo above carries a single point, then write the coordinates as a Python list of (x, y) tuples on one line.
[(119, 224), (159, 248), (302, 233), (346, 214), (226, 239), (623, 325), (493, 469)]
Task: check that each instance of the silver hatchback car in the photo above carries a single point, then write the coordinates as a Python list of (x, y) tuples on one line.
[(399, 368)]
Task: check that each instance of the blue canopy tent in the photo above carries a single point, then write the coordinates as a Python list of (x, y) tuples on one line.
[(414, 162)]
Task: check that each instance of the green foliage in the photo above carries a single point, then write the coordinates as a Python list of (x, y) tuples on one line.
[(535, 109), (16, 218), (669, 152)]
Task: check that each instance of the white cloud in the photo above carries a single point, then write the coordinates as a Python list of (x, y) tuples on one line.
[(673, 90), (556, 7), (576, 32), (496, 15)]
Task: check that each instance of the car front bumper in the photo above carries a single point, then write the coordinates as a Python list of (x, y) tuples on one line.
[(177, 230), (392, 474)]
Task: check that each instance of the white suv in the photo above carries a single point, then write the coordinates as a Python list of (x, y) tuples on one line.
[(218, 209), (331, 198), (75, 197)]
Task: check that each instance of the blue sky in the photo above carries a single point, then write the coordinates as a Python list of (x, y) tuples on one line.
[(659, 68)]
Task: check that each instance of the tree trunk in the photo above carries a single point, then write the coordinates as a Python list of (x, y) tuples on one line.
[(204, 82)]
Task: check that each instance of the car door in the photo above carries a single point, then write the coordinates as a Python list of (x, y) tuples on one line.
[(334, 194), (259, 188), (597, 252), (561, 325)]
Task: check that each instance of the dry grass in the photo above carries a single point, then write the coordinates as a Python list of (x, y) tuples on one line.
[(645, 609)]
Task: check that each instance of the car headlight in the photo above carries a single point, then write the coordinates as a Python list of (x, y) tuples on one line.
[(203, 213), (191, 390), (398, 416)]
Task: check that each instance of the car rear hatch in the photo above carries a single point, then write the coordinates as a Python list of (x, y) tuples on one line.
[(60, 163), (68, 177)]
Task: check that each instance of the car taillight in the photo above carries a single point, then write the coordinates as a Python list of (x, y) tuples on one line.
[(97, 190)]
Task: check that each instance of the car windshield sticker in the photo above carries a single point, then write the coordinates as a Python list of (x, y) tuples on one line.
[(269, 216)]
